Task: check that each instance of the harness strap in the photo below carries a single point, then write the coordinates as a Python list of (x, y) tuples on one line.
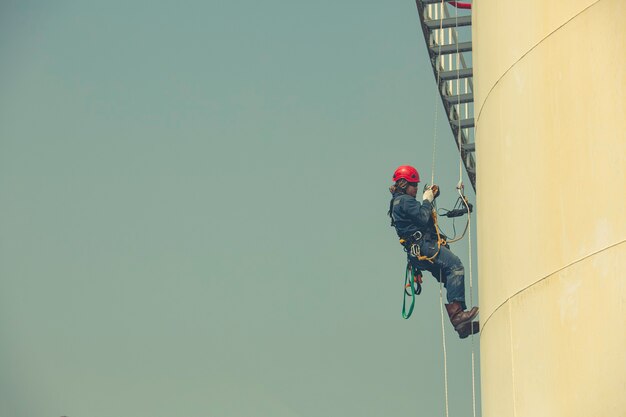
[(412, 279), (390, 212), (440, 241)]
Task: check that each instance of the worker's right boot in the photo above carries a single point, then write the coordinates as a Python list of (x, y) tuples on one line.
[(467, 329), (458, 316)]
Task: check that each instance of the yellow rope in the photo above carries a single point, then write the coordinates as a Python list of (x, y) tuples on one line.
[(440, 241)]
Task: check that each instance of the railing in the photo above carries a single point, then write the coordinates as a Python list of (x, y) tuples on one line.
[(447, 32)]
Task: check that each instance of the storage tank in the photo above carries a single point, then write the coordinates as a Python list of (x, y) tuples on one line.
[(549, 84)]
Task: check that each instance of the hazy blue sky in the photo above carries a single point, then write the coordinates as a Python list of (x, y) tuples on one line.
[(194, 200)]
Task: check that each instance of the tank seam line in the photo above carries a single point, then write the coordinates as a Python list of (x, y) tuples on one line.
[(484, 325), (480, 112)]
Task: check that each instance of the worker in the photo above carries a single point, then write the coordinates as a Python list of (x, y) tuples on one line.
[(416, 229)]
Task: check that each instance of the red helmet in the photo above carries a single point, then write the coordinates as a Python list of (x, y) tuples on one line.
[(407, 172)]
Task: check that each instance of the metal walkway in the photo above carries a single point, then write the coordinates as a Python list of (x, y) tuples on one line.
[(448, 36)]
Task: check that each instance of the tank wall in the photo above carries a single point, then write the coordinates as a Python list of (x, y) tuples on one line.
[(550, 82)]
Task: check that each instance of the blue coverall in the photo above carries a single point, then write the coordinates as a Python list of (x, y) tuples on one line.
[(410, 216)]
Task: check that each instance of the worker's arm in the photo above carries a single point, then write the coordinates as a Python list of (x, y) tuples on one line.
[(419, 212)]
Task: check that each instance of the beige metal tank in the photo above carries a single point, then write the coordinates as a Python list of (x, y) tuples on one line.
[(550, 87)]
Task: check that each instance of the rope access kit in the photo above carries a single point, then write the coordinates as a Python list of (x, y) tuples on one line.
[(413, 276)]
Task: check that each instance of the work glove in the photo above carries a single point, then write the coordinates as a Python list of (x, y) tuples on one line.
[(431, 193), (428, 195)]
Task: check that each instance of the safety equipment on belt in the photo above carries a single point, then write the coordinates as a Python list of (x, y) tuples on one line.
[(462, 207), (409, 241), (407, 172), (412, 287)]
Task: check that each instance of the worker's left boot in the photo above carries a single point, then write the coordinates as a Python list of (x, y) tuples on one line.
[(467, 329), (458, 316)]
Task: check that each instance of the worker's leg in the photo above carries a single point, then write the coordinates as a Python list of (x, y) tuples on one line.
[(453, 275), (448, 267)]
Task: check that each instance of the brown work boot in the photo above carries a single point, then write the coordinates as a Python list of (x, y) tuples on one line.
[(467, 329), (458, 316)]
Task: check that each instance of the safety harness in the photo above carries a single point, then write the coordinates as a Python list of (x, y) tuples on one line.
[(411, 243)]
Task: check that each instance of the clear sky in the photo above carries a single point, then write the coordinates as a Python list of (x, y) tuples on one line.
[(194, 200)]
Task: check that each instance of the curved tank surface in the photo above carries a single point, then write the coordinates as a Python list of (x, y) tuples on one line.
[(550, 82)]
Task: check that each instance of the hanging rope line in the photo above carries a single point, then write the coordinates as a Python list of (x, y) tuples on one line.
[(471, 285), (440, 39), (460, 191), (458, 107), (460, 186), (436, 37), (443, 341)]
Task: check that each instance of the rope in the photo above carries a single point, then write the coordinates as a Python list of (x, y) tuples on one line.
[(415, 249), (459, 186), (460, 190), (471, 285), (443, 340), (458, 94), (432, 168), (432, 181), (468, 226)]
